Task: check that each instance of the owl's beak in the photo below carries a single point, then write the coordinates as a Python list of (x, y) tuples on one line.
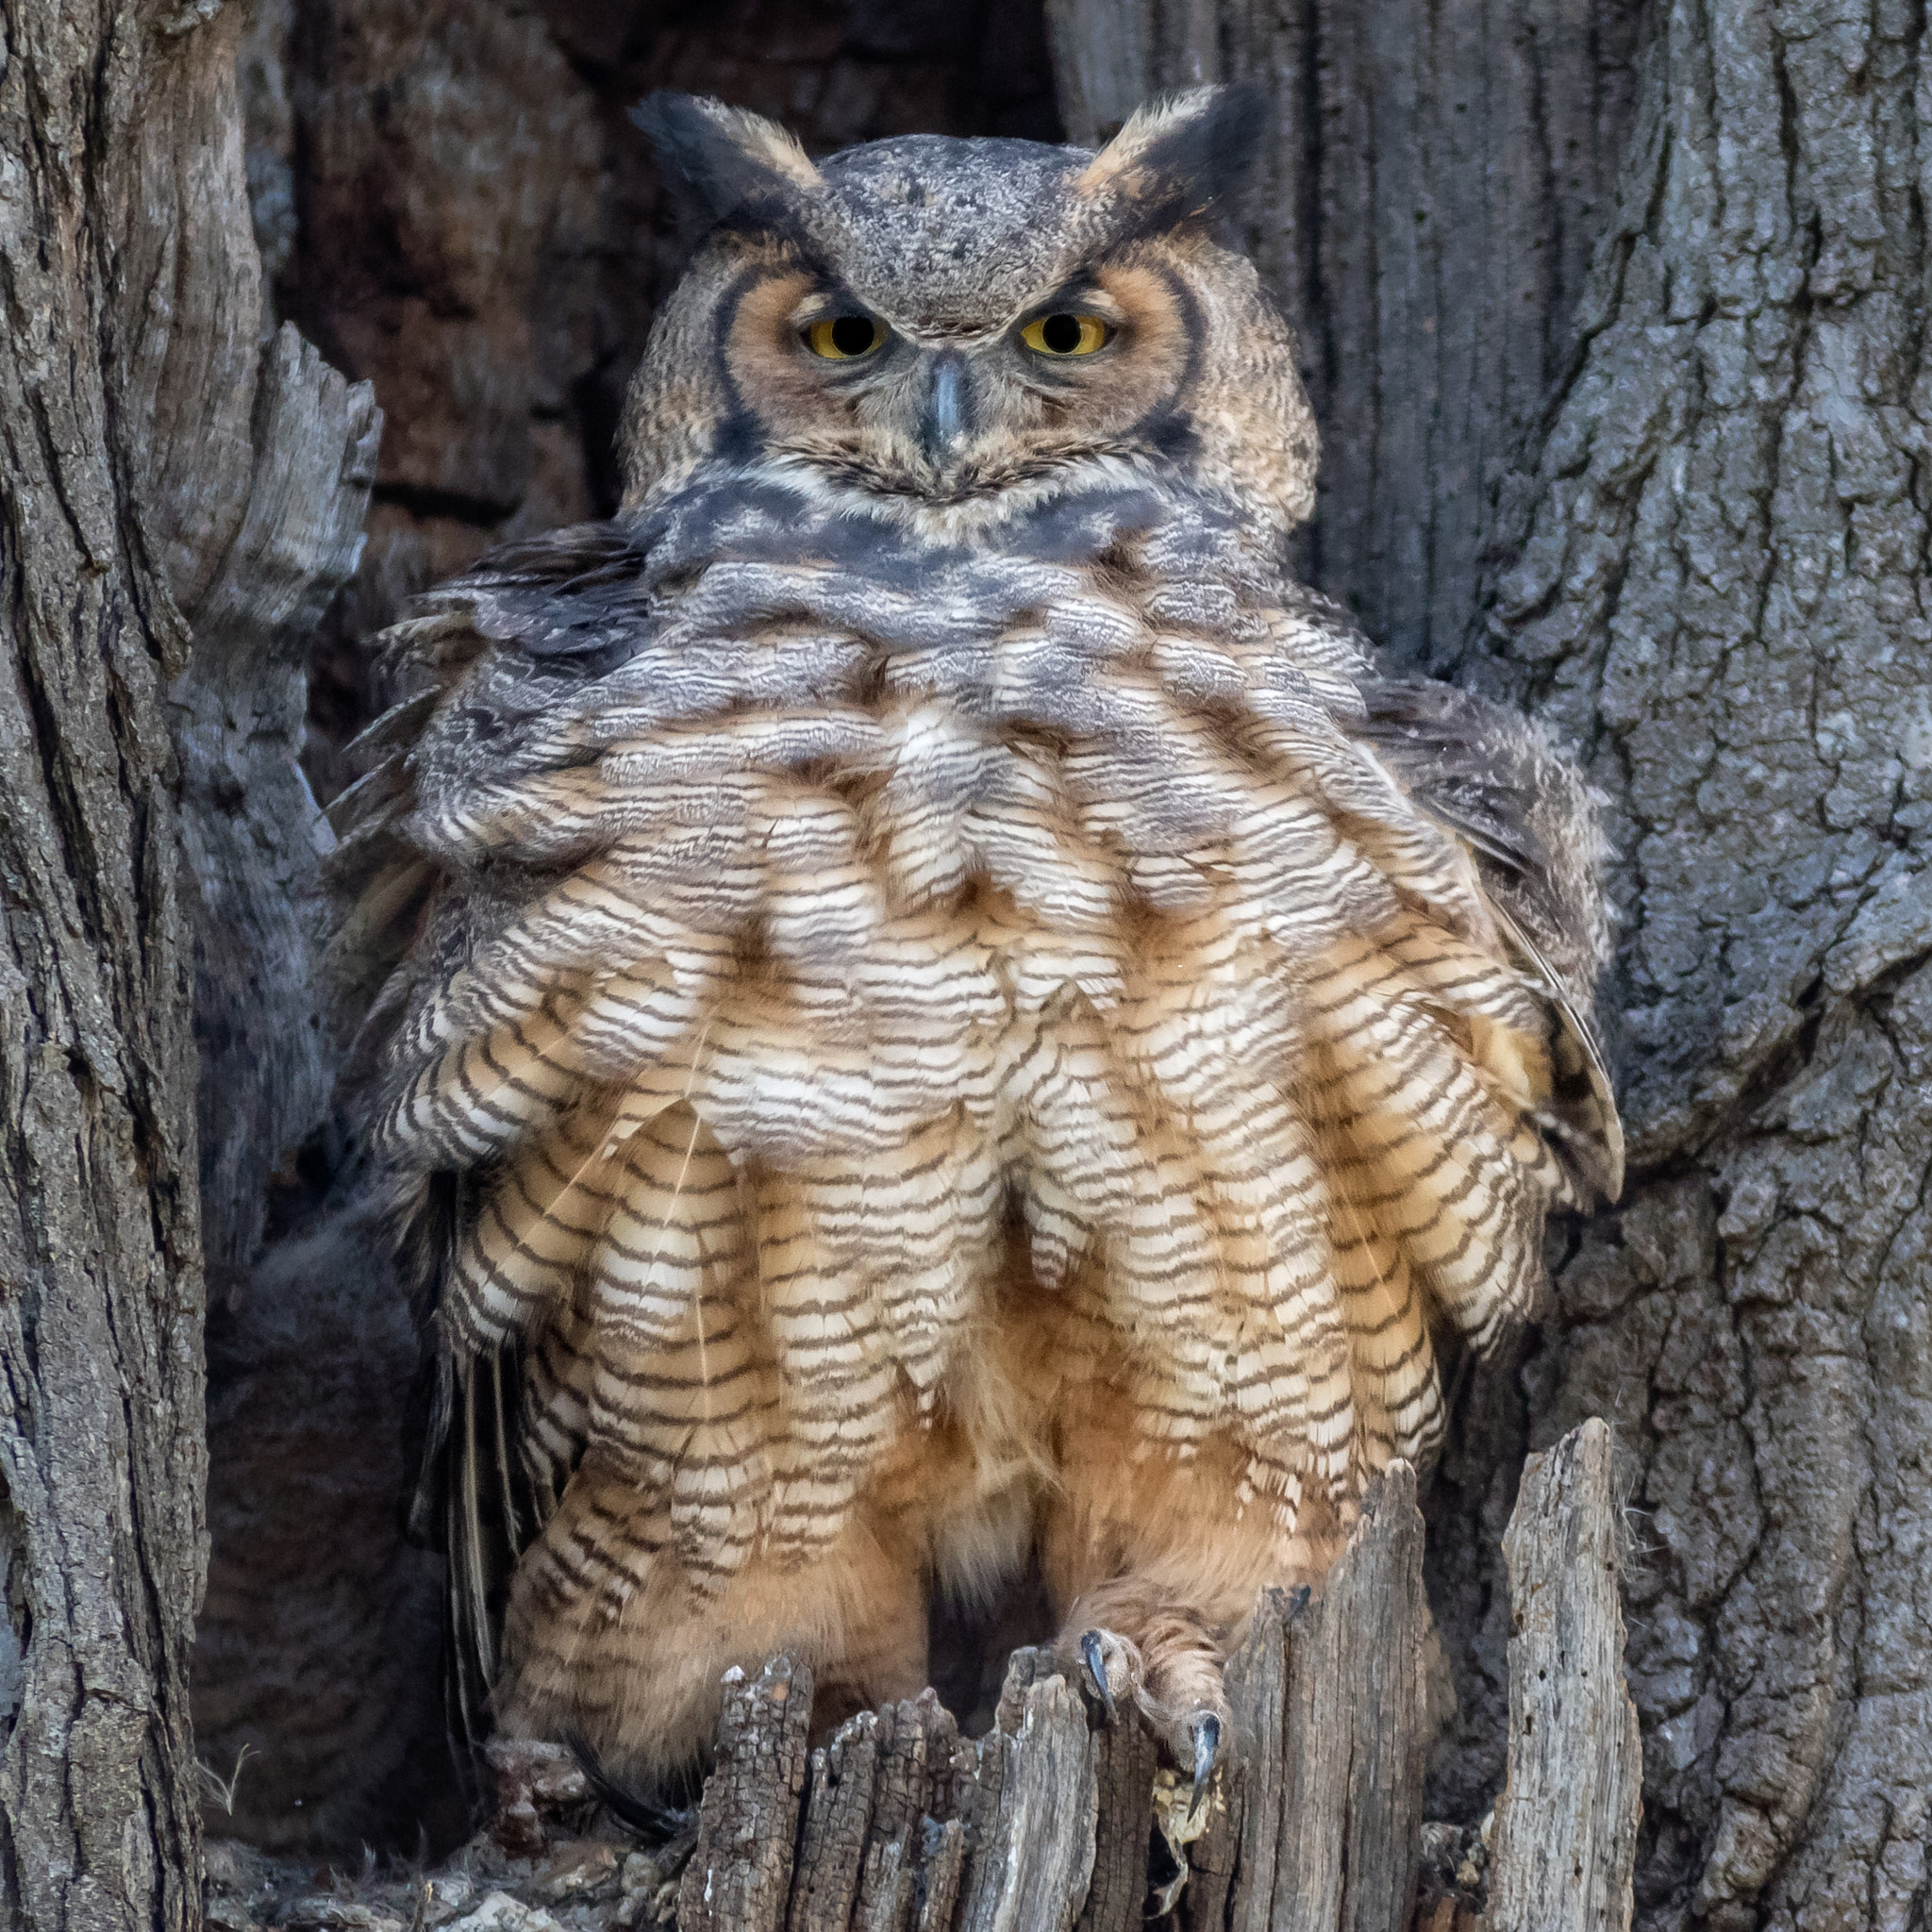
[(948, 413)]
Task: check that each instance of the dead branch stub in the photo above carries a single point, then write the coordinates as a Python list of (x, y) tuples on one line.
[(1313, 1823), (1566, 1826)]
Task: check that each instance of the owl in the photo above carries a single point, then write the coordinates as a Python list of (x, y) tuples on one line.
[(927, 1008)]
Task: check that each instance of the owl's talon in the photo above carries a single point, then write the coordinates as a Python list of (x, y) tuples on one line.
[(1094, 1655), (1205, 1730)]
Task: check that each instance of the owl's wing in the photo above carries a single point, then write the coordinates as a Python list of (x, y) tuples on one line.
[(1534, 830), (586, 794), (472, 1500), (1321, 1118), (562, 607)]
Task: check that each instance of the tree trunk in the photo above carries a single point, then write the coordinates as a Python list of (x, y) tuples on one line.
[(1717, 585), (159, 472), (1705, 564)]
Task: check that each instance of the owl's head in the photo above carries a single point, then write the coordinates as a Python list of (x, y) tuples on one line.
[(951, 329)]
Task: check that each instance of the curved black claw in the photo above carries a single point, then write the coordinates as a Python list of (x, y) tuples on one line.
[(655, 1823), (1095, 1659), (1206, 1729)]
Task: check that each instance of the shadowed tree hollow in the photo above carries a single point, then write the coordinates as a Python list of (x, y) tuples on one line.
[(1614, 321)]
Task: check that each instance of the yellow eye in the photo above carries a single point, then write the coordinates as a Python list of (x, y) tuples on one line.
[(843, 338), (1065, 335)]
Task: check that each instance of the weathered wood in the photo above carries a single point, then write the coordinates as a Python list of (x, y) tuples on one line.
[(252, 834), (739, 1874), (1214, 1856), (1311, 1825), (1718, 582), (944, 1866), (1257, 1684), (1355, 1729), (1565, 1842), (1036, 1855), (1127, 1755), (837, 1817), (879, 1795), (979, 1768), (916, 1738), (888, 1897)]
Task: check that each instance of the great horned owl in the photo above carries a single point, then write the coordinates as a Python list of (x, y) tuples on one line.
[(929, 1005)]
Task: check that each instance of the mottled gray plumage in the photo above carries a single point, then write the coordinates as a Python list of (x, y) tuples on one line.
[(925, 1000)]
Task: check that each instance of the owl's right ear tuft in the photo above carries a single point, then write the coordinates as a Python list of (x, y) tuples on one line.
[(1183, 157), (722, 160)]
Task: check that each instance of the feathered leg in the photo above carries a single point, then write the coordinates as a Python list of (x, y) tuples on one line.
[(1132, 1641)]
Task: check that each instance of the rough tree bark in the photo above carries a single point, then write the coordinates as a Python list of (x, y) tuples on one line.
[(161, 470), (1655, 464), (1715, 580)]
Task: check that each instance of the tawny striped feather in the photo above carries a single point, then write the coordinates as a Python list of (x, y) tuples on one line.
[(814, 962)]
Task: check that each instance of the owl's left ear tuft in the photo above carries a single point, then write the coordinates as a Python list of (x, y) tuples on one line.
[(724, 160), (1184, 156)]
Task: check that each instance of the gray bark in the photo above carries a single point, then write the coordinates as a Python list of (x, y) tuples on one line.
[(1719, 590), (740, 1876), (1040, 1791), (1126, 1762), (1330, 1711), (1565, 1844), (253, 832), (1705, 562), (161, 470)]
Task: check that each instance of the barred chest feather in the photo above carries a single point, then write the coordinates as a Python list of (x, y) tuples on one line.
[(798, 937)]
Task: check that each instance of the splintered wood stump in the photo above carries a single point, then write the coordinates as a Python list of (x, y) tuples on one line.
[(1330, 1711), (874, 1849), (1565, 1842), (1126, 1760), (1313, 1821), (1035, 1856), (739, 1874)]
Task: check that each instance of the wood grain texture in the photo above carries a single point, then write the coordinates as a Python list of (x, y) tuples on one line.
[(1035, 1856), (1565, 1844), (1355, 1730), (1436, 182), (252, 836), (901, 1826), (740, 1876), (1320, 1802), (1207, 1899), (168, 470), (1126, 1758), (832, 1837), (1257, 1687), (126, 357)]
